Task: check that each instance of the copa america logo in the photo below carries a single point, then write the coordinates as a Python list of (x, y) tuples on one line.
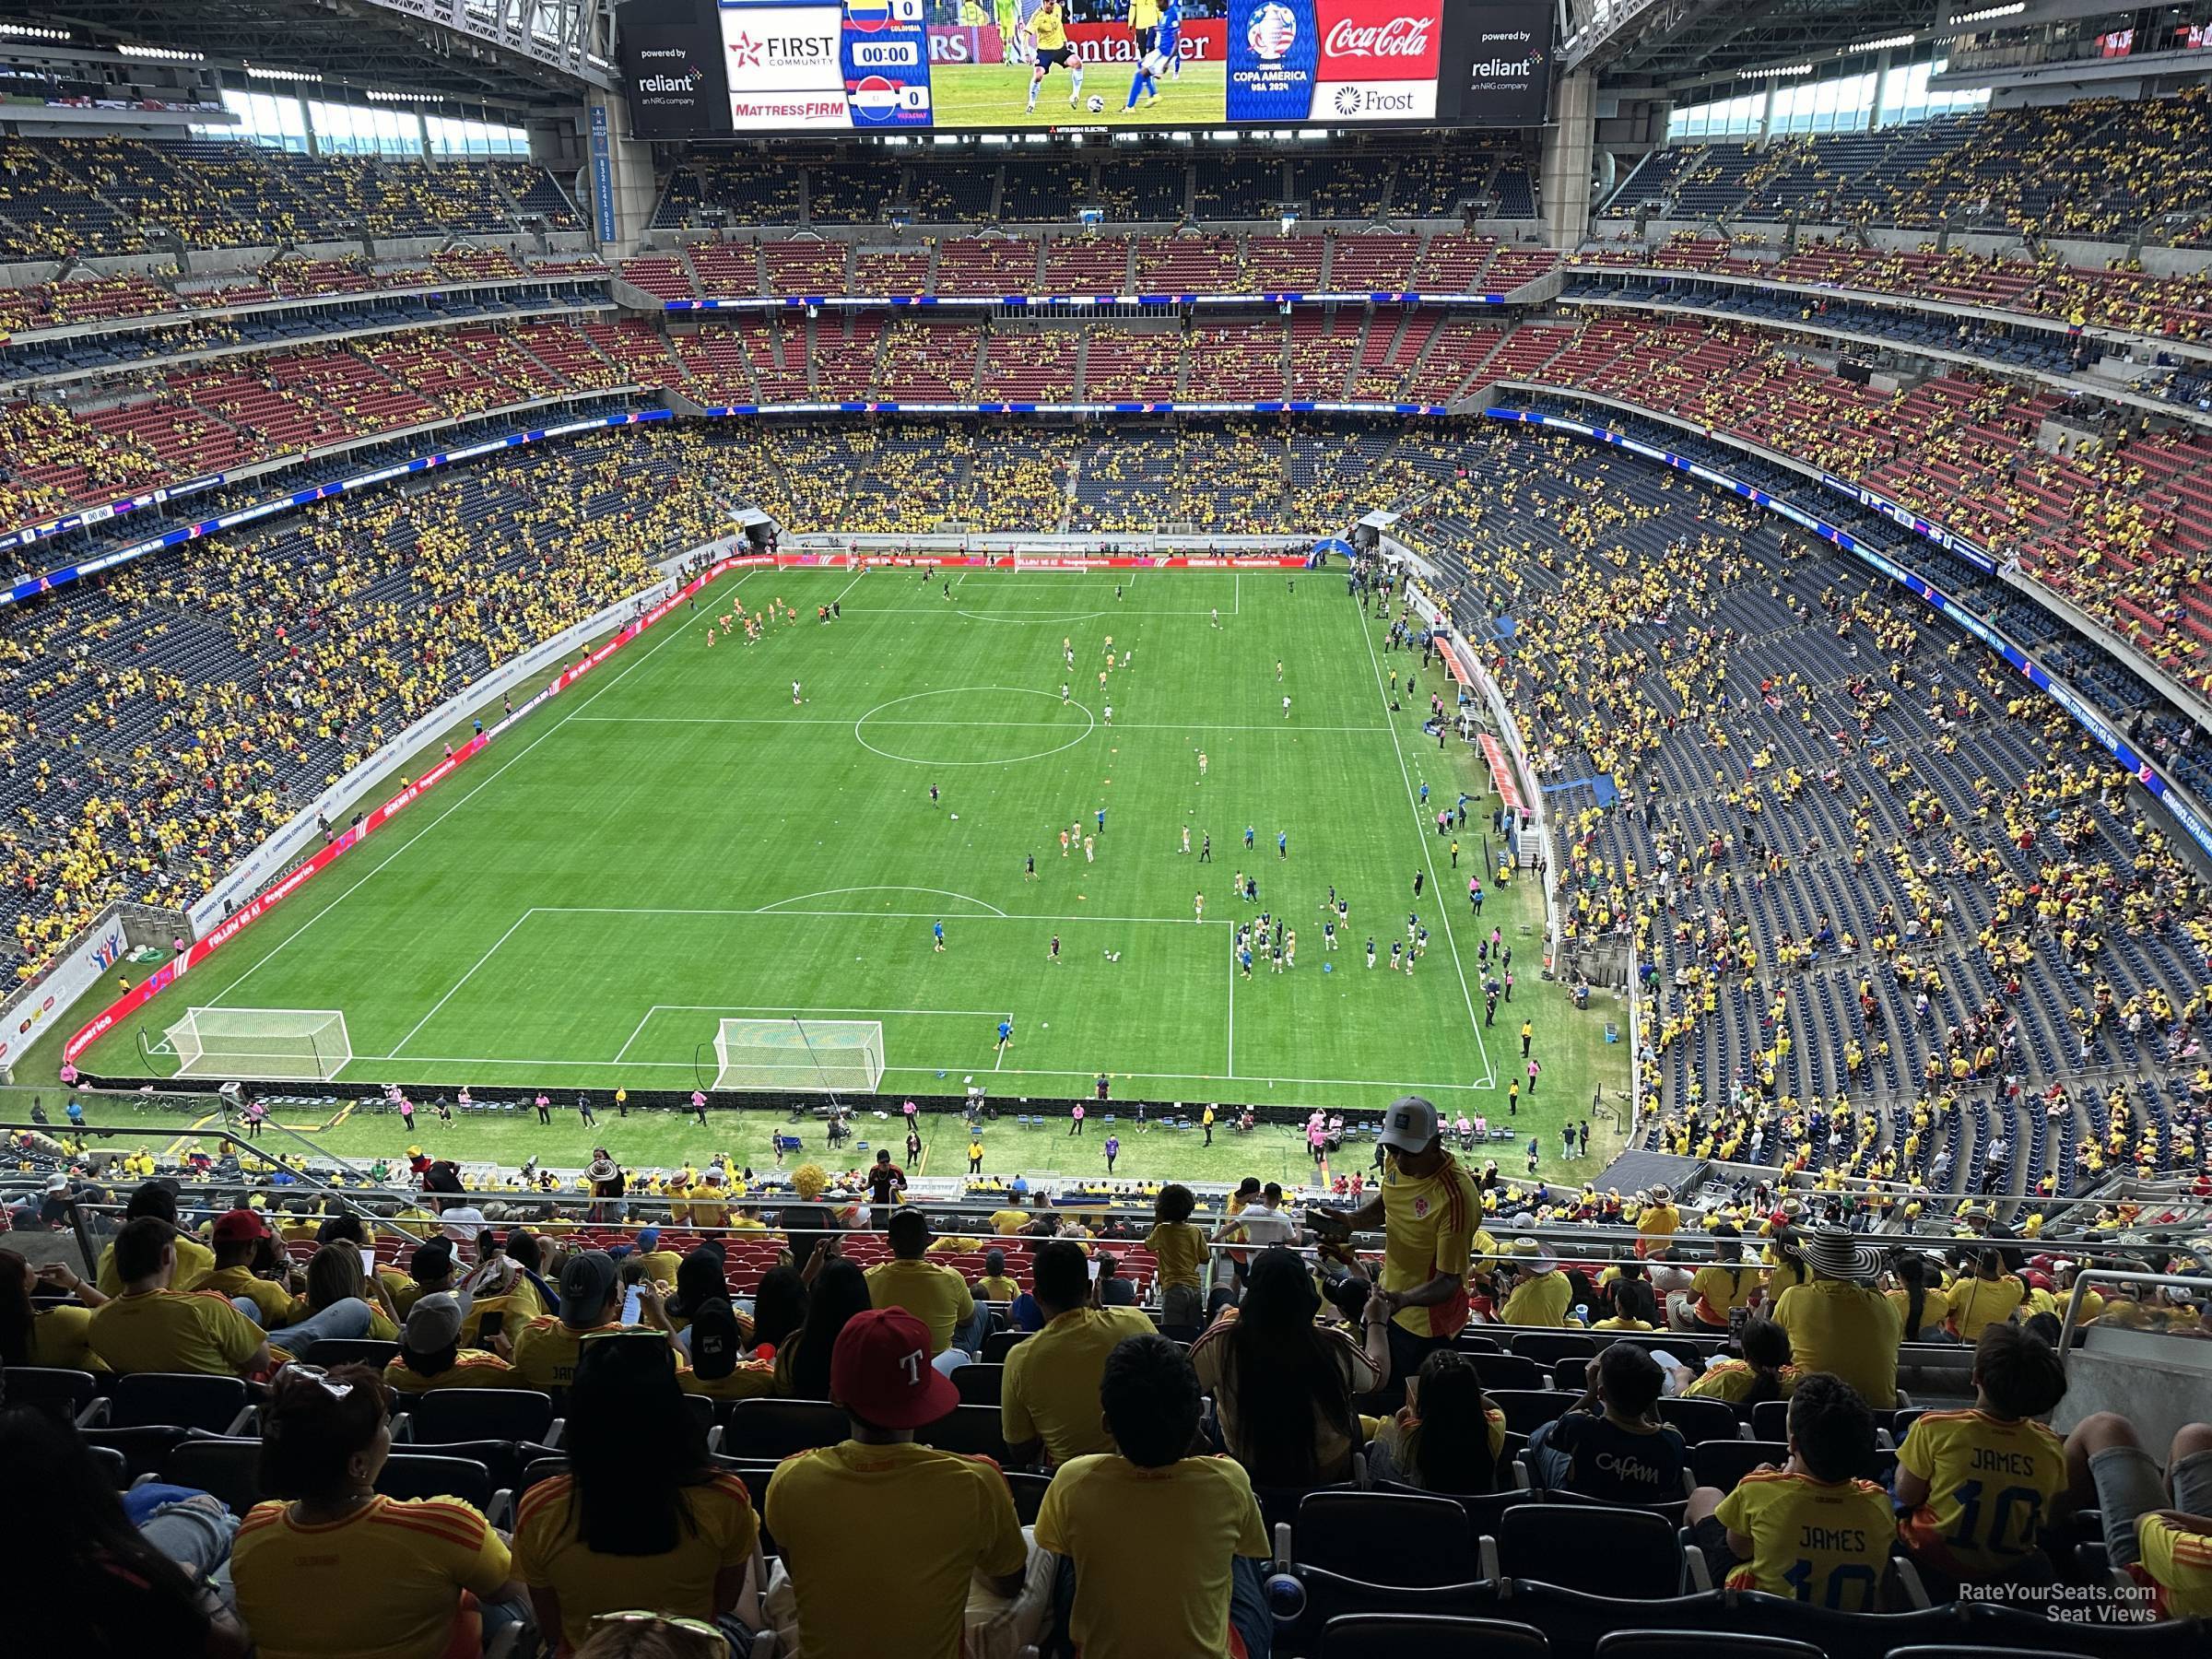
[(1272, 32), (1401, 37)]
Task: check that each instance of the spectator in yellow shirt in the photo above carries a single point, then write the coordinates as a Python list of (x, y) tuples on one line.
[(1716, 1289), (244, 1243), (1961, 1523), (1178, 1246), (995, 1286), (1839, 1322), (643, 1518), (1657, 1221), (1447, 1437), (331, 1570), (1990, 1297), (546, 1350), (1162, 1550), (2158, 1531), (58, 1337), (1815, 1530), (194, 1260), (1049, 1396), (1922, 1306), (430, 1355), (927, 1522), (152, 1327), (937, 1295), (1541, 1295)]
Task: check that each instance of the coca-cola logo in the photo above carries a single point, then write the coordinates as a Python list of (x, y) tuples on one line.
[(1398, 38)]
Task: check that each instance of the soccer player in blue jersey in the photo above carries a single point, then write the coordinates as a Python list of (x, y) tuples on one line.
[(1154, 23)]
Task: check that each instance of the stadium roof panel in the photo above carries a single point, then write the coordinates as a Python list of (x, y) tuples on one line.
[(1672, 41), (525, 53)]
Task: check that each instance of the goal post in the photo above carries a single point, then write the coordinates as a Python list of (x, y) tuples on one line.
[(799, 1054), (292, 1044)]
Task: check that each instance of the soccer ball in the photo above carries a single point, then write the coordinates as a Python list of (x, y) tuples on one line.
[(1096, 104)]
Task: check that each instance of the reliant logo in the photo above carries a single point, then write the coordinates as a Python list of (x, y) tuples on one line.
[(1401, 37), (1506, 68), (667, 83)]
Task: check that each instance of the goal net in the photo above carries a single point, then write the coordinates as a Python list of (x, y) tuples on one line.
[(799, 1054), (294, 1044)]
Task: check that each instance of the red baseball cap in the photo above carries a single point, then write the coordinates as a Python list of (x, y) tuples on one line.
[(879, 1371), (239, 1227)]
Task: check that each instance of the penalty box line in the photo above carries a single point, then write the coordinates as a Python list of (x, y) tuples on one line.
[(790, 1012)]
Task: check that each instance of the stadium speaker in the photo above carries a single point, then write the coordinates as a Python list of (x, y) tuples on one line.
[(1858, 374)]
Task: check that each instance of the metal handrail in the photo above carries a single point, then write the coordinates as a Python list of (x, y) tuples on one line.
[(2198, 1285)]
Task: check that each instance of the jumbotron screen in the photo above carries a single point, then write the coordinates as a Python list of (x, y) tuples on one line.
[(732, 68)]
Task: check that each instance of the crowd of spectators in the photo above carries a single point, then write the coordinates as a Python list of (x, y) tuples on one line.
[(66, 199), (1124, 1503), (156, 724), (2120, 295), (2094, 169)]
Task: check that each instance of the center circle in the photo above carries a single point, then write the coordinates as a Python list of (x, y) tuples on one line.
[(912, 729)]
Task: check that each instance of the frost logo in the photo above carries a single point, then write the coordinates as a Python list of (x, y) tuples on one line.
[(1347, 101), (1401, 37), (1272, 32)]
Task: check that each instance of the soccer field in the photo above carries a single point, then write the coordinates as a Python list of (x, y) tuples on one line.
[(997, 95), (676, 843)]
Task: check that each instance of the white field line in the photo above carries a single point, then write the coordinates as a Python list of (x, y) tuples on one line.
[(369, 875), (996, 725), (462, 980), (1490, 1078)]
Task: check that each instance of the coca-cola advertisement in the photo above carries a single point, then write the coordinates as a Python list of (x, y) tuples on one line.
[(1378, 39), (1348, 63)]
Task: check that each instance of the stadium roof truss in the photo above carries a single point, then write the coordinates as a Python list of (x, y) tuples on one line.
[(528, 54), (1678, 42)]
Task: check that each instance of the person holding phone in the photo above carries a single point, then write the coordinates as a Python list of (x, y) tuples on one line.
[(58, 1337)]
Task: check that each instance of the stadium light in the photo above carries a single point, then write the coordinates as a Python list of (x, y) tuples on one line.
[(377, 95), (256, 72), (1989, 13), (1775, 72), (31, 31), (1887, 43), (162, 55)]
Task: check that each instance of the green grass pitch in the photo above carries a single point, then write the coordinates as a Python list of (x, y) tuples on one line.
[(675, 841), (997, 95)]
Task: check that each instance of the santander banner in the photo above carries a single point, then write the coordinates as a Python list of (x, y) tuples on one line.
[(1377, 59)]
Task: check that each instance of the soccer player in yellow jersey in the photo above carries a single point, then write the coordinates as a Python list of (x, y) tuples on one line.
[(1048, 31), (1429, 1211), (1981, 1486), (1813, 1530)]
